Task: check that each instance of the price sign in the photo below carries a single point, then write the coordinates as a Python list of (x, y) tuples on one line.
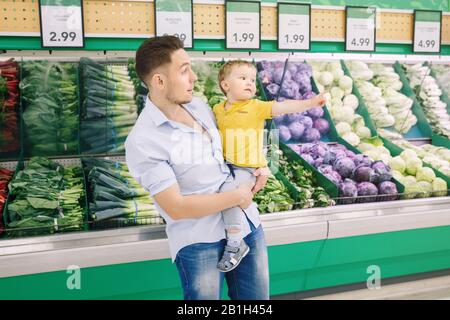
[(360, 28), (427, 31), (243, 25), (61, 23), (294, 26), (175, 18)]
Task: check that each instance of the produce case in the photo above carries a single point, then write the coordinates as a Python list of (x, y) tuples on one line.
[(308, 248)]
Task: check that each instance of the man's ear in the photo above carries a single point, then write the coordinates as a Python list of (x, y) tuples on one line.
[(157, 80)]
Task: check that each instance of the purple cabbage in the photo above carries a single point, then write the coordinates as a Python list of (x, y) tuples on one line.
[(325, 169), (382, 170), (334, 177), (348, 190), (350, 154), (364, 173), (308, 95), (318, 150), (293, 117), (322, 125), (264, 65), (278, 75), (307, 123), (306, 147), (362, 159), (366, 189), (279, 120), (285, 133), (318, 162), (308, 158), (272, 89), (311, 135), (388, 188), (316, 112), (344, 166), (297, 129), (295, 148), (289, 89)]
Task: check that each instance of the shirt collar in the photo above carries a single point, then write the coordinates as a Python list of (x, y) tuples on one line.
[(156, 115)]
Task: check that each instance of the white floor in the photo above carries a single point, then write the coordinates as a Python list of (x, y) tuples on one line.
[(427, 289)]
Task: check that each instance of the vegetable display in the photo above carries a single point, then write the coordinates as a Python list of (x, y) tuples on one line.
[(357, 177), (50, 107), (46, 198), (342, 103), (408, 168), (113, 193), (296, 84), (5, 177), (309, 193), (274, 197), (379, 85), (429, 94), (9, 97), (109, 109)]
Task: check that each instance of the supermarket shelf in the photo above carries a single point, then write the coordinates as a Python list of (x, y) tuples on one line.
[(89, 249)]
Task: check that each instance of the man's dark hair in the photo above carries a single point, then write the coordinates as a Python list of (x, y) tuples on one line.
[(155, 52)]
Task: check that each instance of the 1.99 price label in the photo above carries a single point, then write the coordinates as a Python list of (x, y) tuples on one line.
[(243, 23), (294, 26)]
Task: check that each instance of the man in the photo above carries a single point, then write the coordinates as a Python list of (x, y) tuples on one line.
[(175, 152)]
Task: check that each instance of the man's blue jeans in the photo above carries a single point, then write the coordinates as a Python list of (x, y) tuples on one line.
[(201, 280)]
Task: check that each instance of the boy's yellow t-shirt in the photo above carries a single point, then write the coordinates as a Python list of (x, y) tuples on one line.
[(242, 130)]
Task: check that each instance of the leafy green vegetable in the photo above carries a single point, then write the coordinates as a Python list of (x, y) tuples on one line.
[(109, 109), (274, 197), (114, 193), (50, 94), (47, 198)]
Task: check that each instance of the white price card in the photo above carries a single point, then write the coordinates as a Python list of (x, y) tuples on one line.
[(243, 25), (175, 18), (294, 26), (61, 23), (427, 31), (360, 28)]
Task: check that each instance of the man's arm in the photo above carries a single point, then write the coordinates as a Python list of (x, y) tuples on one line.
[(178, 206), (294, 106)]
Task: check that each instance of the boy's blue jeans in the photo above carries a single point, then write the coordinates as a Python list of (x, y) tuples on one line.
[(201, 280)]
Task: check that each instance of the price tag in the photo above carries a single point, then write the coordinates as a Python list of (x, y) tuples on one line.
[(294, 26), (175, 18), (61, 23), (360, 28), (427, 31), (243, 25)]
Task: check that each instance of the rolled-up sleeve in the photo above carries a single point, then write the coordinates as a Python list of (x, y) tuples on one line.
[(151, 172)]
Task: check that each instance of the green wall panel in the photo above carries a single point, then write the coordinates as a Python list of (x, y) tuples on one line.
[(99, 44), (293, 267)]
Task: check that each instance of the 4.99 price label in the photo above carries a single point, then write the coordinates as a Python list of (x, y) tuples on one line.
[(360, 28), (61, 23), (294, 26), (427, 31), (243, 25)]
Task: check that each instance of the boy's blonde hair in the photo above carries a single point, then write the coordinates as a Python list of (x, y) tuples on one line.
[(228, 67)]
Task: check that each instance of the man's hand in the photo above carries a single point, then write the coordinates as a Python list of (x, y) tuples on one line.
[(262, 175), (245, 192)]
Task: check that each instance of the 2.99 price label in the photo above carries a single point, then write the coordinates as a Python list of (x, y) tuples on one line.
[(427, 31), (294, 26), (175, 18), (61, 23), (243, 25), (360, 28)]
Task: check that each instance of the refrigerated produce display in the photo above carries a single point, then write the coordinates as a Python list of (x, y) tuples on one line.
[(363, 181)]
